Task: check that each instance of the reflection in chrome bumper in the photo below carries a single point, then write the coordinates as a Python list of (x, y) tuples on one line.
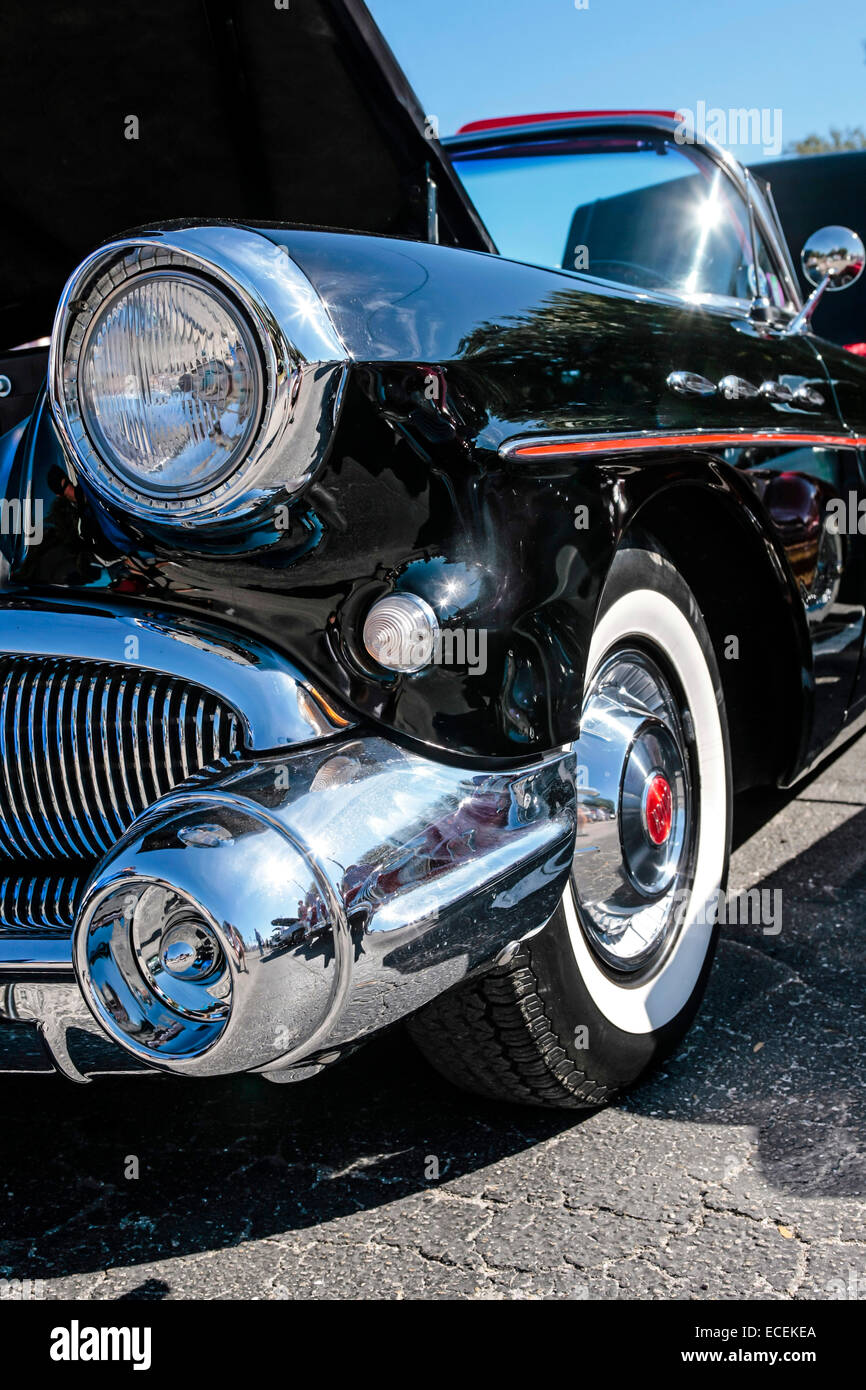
[(269, 916)]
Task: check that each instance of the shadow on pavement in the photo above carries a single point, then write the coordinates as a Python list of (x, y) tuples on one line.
[(780, 1040), (222, 1162), (226, 1162)]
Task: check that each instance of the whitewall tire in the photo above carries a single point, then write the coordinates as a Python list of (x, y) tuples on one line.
[(608, 988)]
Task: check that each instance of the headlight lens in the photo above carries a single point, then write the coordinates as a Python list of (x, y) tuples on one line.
[(170, 384), (195, 377)]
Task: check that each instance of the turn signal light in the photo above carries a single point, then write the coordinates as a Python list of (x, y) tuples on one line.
[(400, 632)]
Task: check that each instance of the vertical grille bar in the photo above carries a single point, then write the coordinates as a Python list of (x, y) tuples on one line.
[(85, 747), (32, 904)]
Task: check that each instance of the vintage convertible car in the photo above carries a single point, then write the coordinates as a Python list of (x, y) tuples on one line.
[(406, 554)]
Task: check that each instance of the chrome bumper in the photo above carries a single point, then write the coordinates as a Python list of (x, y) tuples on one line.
[(268, 917)]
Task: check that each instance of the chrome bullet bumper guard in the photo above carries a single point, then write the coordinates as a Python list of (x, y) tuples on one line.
[(268, 916)]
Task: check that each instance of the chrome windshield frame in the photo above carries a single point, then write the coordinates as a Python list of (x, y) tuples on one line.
[(767, 225)]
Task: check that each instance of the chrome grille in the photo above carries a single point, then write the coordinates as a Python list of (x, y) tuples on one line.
[(46, 904), (85, 746)]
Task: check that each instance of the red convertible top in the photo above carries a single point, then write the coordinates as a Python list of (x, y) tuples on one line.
[(497, 122)]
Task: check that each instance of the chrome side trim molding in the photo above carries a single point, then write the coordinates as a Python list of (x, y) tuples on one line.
[(528, 447), (690, 384)]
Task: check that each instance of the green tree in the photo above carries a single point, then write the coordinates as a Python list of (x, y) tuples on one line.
[(854, 138)]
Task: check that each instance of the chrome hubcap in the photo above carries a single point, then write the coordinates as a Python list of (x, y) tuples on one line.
[(657, 808), (637, 816)]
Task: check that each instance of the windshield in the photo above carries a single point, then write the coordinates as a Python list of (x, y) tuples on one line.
[(638, 210)]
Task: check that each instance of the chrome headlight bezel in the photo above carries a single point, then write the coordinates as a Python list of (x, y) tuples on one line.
[(264, 290)]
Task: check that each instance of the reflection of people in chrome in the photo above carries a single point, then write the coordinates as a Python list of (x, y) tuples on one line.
[(261, 944), (239, 949), (114, 1006)]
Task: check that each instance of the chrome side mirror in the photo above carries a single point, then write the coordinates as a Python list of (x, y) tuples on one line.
[(834, 254), (832, 259)]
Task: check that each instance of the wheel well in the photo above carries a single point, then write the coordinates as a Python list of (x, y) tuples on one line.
[(724, 561)]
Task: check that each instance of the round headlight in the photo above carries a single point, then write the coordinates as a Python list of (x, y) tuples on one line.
[(169, 384), (195, 376)]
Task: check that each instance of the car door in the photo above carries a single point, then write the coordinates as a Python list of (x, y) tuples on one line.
[(663, 232), (671, 223)]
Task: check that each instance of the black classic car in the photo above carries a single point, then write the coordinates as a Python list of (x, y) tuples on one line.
[(408, 549)]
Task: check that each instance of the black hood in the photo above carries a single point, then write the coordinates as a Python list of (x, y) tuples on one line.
[(243, 110)]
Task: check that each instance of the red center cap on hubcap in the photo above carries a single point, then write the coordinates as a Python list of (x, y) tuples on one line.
[(658, 808)]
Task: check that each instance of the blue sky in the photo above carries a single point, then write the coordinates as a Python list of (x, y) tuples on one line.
[(473, 58)]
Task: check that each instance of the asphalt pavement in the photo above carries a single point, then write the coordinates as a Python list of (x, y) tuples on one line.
[(739, 1171)]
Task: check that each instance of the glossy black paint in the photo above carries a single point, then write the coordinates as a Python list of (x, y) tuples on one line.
[(25, 371), (454, 352)]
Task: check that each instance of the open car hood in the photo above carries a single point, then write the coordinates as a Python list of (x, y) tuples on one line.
[(244, 111)]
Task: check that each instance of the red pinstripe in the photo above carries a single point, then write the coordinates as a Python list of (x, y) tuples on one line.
[(677, 441)]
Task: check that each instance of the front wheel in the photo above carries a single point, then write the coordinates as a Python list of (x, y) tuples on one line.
[(585, 1007)]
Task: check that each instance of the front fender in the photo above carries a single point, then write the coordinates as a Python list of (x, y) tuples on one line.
[(450, 354)]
